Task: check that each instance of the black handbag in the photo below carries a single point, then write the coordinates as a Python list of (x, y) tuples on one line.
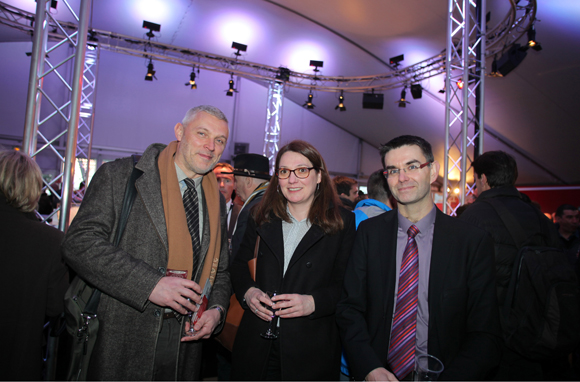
[(81, 300)]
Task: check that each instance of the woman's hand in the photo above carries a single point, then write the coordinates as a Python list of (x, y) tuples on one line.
[(254, 299), (293, 305)]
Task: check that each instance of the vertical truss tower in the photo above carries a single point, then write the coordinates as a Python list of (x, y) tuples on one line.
[(464, 87), (54, 125), (273, 122), (87, 111)]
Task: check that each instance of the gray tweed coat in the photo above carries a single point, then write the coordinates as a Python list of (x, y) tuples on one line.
[(129, 322)]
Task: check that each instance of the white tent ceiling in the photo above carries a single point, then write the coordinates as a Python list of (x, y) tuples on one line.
[(529, 113)]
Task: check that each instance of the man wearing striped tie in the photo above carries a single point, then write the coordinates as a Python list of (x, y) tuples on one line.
[(418, 282)]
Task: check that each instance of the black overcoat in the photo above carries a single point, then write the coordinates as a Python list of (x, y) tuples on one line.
[(32, 286), (309, 346)]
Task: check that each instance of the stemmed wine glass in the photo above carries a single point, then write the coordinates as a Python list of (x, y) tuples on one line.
[(190, 317), (271, 334)]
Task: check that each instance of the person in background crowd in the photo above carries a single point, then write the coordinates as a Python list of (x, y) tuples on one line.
[(250, 180), (177, 227), (35, 277), (347, 190), (226, 184), (496, 173), (567, 222), (378, 200), (79, 194), (251, 173), (376, 204), (305, 241), (418, 282)]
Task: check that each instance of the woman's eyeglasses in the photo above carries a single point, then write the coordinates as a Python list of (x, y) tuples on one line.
[(299, 172)]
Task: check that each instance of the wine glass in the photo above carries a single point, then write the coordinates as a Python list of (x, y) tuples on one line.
[(271, 334), (191, 318)]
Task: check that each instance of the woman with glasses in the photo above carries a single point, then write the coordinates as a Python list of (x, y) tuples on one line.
[(304, 244)]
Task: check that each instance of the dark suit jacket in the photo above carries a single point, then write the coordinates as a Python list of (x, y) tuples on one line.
[(309, 346), (242, 222), (464, 329)]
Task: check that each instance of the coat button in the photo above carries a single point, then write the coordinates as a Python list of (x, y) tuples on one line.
[(157, 313), (309, 265), (162, 270)]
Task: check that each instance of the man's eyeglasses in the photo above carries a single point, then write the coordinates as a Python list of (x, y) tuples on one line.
[(392, 172), (299, 172)]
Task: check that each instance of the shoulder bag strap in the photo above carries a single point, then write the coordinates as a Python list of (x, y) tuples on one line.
[(512, 225)]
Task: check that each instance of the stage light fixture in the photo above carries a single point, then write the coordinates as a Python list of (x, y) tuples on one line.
[(340, 105), (150, 72), (283, 74), (192, 80), (416, 91), (494, 71), (316, 64), (460, 83), (309, 104), (402, 101), (239, 47), (396, 60), (152, 28), (231, 89), (532, 42)]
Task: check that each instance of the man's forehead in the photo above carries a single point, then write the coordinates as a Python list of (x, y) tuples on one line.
[(570, 212), (407, 153), (205, 121)]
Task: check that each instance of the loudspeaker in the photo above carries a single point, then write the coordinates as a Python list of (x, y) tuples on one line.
[(373, 101), (416, 91), (511, 59)]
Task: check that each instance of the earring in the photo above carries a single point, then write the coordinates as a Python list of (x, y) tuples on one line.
[(317, 186)]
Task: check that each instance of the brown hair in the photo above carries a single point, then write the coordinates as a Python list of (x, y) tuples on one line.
[(20, 180), (343, 184), (324, 210)]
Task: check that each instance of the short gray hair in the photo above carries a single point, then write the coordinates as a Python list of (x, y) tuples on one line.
[(211, 110)]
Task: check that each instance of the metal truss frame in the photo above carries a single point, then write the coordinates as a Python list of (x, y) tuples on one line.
[(468, 44), (465, 66), (464, 58), (273, 122), (87, 114), (58, 110), (501, 37)]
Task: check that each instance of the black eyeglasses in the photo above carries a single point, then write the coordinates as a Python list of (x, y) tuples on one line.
[(407, 170), (299, 172)]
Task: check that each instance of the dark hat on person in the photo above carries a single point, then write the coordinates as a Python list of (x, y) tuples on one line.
[(252, 165)]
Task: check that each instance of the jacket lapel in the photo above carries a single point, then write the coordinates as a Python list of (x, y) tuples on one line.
[(388, 262), (440, 259), (314, 234), (149, 189), (271, 235)]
